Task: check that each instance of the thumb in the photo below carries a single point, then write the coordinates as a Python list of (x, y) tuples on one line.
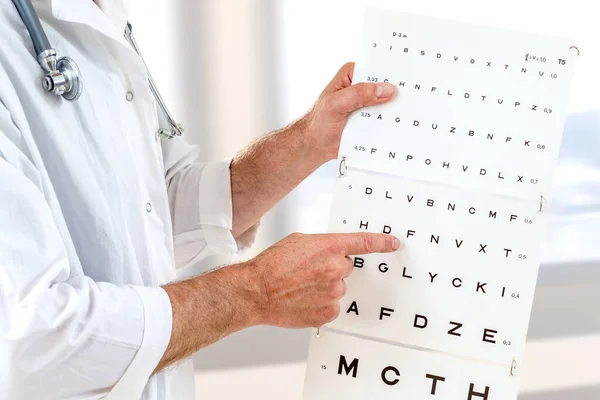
[(361, 95), (366, 243)]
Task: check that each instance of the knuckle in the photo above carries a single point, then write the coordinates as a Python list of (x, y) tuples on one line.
[(369, 243), (362, 94), (333, 293), (332, 273), (314, 321), (331, 312), (338, 290), (333, 245)]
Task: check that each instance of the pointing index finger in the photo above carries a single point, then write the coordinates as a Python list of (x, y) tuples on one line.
[(367, 243)]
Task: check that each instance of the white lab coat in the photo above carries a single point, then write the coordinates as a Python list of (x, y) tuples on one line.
[(95, 214)]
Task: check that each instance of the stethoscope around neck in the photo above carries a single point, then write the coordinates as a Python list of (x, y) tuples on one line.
[(63, 77)]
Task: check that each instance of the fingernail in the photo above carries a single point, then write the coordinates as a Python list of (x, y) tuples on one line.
[(384, 90), (395, 243)]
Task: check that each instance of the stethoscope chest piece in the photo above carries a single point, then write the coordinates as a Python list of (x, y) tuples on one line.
[(74, 87), (63, 77)]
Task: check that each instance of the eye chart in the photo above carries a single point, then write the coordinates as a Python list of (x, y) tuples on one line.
[(459, 166)]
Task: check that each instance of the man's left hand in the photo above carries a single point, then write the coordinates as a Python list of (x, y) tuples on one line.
[(326, 121), (272, 166)]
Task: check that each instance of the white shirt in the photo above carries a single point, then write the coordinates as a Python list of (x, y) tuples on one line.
[(96, 213)]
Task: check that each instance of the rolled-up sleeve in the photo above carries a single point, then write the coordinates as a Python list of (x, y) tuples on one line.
[(201, 205), (63, 335)]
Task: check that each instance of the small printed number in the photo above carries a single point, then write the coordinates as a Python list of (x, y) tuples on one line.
[(528, 221), (522, 257), (541, 146), (534, 181), (515, 295), (365, 114), (506, 342), (372, 79)]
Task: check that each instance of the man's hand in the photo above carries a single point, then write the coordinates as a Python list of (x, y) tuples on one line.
[(296, 283), (267, 170), (303, 275), (326, 121)]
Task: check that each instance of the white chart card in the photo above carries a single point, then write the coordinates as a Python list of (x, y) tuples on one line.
[(459, 166), (477, 106), (464, 278), (345, 367)]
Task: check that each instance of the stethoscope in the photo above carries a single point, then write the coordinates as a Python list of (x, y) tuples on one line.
[(63, 77)]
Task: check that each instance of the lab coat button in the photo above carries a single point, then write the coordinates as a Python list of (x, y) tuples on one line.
[(129, 96), (148, 207)]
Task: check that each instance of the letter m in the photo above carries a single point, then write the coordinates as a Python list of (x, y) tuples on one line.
[(344, 367)]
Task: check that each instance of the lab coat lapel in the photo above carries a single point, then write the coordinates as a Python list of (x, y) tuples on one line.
[(110, 23)]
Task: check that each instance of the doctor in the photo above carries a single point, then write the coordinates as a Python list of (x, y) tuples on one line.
[(97, 212)]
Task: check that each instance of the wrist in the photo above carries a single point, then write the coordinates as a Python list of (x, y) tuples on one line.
[(250, 304), (312, 149)]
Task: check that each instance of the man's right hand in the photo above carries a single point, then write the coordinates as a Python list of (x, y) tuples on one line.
[(296, 283), (302, 276)]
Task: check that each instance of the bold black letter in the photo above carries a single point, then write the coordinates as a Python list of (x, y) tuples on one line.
[(434, 383), (353, 308), (457, 326), (384, 313), (384, 379), (473, 393), (481, 286), (488, 335), (416, 324), (353, 367)]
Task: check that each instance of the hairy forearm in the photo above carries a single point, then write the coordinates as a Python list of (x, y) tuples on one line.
[(267, 170), (210, 307)]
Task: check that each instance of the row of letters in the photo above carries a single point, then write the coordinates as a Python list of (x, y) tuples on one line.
[(453, 130), (466, 96), (483, 172), (478, 62), (391, 376), (474, 247), (448, 206), (455, 282), (422, 322)]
